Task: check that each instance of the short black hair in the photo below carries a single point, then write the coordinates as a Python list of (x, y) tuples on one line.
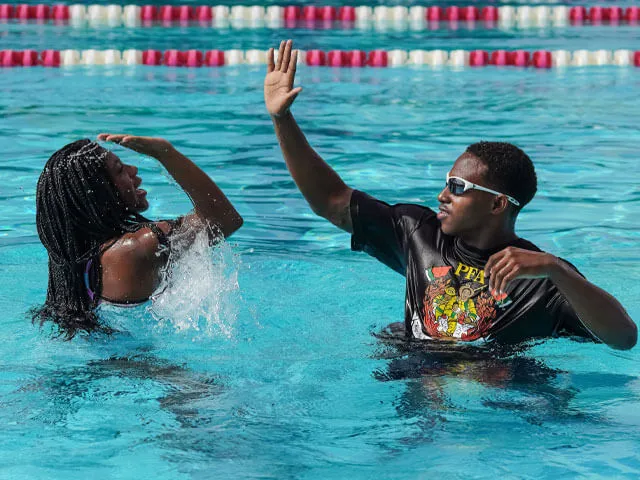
[(509, 169)]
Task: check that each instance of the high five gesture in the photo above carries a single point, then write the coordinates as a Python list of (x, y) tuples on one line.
[(279, 93), (322, 187)]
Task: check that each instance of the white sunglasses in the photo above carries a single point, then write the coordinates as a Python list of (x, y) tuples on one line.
[(457, 186)]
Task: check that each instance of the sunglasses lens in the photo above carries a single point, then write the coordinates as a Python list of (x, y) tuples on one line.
[(455, 186)]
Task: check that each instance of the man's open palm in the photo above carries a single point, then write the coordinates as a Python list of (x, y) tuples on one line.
[(279, 93)]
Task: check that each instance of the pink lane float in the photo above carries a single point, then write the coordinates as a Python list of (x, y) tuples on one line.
[(379, 17), (540, 59)]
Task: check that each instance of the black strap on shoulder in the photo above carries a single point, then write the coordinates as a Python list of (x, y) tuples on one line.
[(163, 239)]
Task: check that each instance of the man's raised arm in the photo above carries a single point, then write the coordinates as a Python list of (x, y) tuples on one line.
[(321, 186)]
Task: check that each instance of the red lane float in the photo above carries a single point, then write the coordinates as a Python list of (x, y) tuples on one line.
[(310, 13), (32, 12), (214, 58), (50, 58), (632, 15), (452, 14), (148, 13), (614, 15), (500, 58), (152, 57), (24, 12), (337, 58), (60, 13), (185, 13), (291, 13), (478, 58), (204, 13), (520, 58), (434, 14), (6, 11), (378, 58), (30, 58), (489, 14), (328, 14), (41, 12), (357, 58), (173, 58), (166, 13), (180, 13), (596, 15), (316, 58), (636, 59), (577, 15), (9, 58), (542, 59), (193, 58), (347, 14), (470, 14)]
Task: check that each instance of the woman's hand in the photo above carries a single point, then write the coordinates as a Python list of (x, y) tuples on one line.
[(279, 93), (151, 146), (210, 203)]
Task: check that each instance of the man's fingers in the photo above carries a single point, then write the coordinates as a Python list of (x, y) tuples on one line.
[(493, 267), (271, 66), (496, 280), (286, 56), (293, 65), (498, 273), (510, 275), (291, 96), (280, 55), (493, 259)]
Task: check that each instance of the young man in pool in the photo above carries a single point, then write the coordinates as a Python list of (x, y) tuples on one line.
[(469, 276)]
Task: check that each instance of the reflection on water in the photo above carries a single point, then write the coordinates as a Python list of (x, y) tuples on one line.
[(442, 381), (141, 376)]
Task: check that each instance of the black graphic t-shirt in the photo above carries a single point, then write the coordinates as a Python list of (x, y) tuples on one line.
[(447, 295)]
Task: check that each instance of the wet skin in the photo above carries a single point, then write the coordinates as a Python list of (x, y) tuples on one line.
[(126, 181), (130, 267), (477, 217)]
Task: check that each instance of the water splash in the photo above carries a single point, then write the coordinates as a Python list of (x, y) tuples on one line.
[(200, 291)]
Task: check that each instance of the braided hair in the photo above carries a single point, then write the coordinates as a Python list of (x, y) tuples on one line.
[(78, 209)]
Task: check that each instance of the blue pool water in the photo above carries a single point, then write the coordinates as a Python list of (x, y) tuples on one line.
[(262, 363)]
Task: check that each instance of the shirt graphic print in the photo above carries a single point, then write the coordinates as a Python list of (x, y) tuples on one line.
[(457, 303)]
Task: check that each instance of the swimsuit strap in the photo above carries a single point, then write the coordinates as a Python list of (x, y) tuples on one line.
[(163, 239), (86, 279), (89, 266)]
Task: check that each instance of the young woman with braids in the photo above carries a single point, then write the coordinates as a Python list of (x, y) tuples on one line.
[(88, 215)]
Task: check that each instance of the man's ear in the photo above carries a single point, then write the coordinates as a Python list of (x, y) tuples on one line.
[(500, 204)]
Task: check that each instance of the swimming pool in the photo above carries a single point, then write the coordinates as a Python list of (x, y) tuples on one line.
[(285, 379)]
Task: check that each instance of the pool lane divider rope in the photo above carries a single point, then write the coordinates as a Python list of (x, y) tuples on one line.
[(398, 17), (543, 59)]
